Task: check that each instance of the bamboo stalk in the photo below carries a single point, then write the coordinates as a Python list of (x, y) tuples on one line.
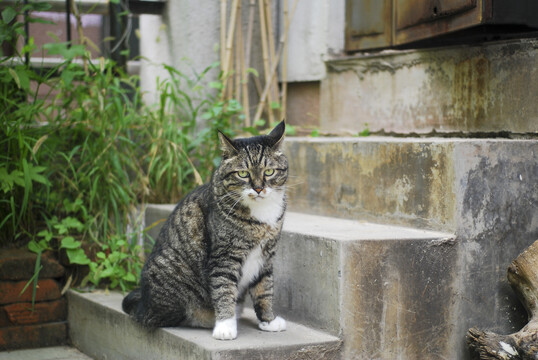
[(250, 30), (81, 38), (271, 37), (229, 41), (223, 4), (284, 79), (266, 66), (264, 96), (244, 75), (238, 46)]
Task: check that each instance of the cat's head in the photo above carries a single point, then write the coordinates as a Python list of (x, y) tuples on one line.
[(254, 169)]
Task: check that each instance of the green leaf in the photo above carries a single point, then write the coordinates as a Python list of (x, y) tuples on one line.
[(63, 49), (69, 242), (275, 105), (15, 77), (315, 133), (365, 132), (77, 256), (129, 277), (8, 14), (290, 130), (216, 85), (45, 234), (34, 246), (253, 71), (67, 76), (259, 122)]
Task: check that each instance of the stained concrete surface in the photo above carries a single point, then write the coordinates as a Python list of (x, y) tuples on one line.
[(386, 290), (483, 190), (50, 353), (100, 328), (472, 88)]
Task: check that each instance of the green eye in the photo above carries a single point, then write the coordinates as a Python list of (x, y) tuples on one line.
[(269, 172), (242, 173)]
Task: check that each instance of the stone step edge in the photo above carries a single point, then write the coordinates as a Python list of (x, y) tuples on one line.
[(99, 328), (334, 228), (352, 230)]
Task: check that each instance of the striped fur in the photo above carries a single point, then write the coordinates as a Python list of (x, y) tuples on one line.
[(218, 244)]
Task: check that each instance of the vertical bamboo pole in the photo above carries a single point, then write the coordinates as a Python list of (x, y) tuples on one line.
[(265, 94), (222, 33), (250, 30), (244, 75), (272, 49), (236, 4), (238, 46), (265, 54), (284, 79)]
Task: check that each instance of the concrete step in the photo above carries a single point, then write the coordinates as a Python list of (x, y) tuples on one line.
[(433, 183), (99, 328), (386, 290), (482, 190), (461, 89)]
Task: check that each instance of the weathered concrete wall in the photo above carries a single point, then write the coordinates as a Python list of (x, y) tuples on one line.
[(387, 291), (316, 32), (458, 89), (483, 190), (396, 181)]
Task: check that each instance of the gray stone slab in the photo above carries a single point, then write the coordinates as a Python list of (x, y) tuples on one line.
[(99, 327), (462, 89), (49, 353), (386, 290)]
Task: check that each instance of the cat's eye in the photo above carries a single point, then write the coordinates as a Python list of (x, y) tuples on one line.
[(242, 173), (269, 172)]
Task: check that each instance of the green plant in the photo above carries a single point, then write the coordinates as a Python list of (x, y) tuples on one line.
[(76, 162), (365, 132)]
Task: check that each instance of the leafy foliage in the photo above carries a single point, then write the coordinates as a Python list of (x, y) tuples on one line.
[(79, 150)]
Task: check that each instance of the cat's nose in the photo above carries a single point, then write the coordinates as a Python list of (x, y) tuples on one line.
[(258, 190)]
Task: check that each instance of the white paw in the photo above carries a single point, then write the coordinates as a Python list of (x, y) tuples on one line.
[(225, 329), (278, 324)]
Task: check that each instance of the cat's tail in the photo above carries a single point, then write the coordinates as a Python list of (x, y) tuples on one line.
[(130, 302)]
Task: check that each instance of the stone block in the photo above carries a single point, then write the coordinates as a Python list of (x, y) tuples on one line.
[(10, 291), (99, 327), (22, 313), (379, 179), (386, 290), (19, 264), (33, 336), (462, 89)]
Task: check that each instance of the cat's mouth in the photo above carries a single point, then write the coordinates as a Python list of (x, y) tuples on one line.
[(256, 197)]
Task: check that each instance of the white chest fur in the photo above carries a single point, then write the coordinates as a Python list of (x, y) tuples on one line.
[(267, 209), (251, 268)]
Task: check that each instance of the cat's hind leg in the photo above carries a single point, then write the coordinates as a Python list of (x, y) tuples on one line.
[(201, 318)]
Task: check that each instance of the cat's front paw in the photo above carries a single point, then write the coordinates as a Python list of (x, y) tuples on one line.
[(225, 329), (278, 324)]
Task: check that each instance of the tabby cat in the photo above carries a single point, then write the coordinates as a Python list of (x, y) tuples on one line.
[(218, 243)]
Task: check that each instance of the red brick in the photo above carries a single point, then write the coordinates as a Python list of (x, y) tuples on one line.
[(47, 289), (33, 336), (22, 314), (19, 264)]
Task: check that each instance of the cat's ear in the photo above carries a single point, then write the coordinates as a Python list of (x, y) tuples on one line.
[(227, 146), (276, 136)]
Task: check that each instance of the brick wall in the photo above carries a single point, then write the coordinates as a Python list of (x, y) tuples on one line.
[(20, 327)]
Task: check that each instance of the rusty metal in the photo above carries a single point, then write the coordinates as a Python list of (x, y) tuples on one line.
[(368, 24), (382, 24)]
